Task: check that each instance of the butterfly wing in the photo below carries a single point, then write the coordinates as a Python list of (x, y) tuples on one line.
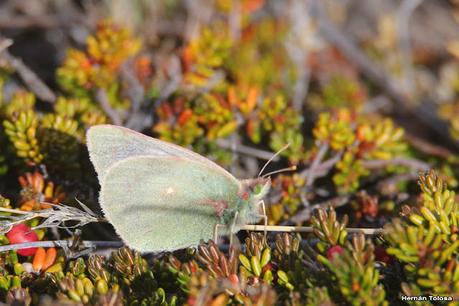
[(108, 144), (164, 203)]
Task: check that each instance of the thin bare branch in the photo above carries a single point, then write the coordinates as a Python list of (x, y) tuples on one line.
[(405, 12), (307, 229), (135, 92), (323, 148), (301, 40), (305, 214), (54, 217), (61, 244), (261, 154), (102, 98), (426, 147), (13, 211), (5, 44), (389, 185), (174, 70), (30, 78), (399, 161), (323, 168)]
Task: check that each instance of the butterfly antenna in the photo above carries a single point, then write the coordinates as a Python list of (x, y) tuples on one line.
[(292, 168), (272, 157)]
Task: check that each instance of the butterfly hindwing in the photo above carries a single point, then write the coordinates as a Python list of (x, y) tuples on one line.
[(164, 203), (109, 144)]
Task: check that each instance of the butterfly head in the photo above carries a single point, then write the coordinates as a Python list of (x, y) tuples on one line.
[(251, 193), (254, 189)]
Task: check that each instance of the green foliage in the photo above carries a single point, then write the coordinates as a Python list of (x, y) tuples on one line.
[(343, 91), (204, 55), (281, 122), (358, 140), (255, 262), (290, 188), (22, 133), (51, 140), (99, 64), (426, 242), (81, 110), (292, 274), (260, 52), (350, 170), (357, 277), (330, 231), (336, 131), (215, 116), (319, 296)]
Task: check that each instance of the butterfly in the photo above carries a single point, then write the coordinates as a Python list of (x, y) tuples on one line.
[(162, 197)]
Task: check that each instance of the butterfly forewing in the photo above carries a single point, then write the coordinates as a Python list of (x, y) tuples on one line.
[(109, 144), (164, 203)]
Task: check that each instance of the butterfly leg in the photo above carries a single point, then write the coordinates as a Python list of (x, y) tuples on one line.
[(216, 227), (233, 225), (264, 216)]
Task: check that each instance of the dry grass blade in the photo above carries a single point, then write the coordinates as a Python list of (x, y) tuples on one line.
[(55, 217)]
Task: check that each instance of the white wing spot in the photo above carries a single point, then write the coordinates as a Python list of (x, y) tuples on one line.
[(169, 190)]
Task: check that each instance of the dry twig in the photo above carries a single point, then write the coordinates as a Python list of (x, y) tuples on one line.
[(61, 244), (305, 214), (30, 78), (323, 168), (54, 217), (102, 98), (323, 148), (261, 154), (308, 229), (398, 161)]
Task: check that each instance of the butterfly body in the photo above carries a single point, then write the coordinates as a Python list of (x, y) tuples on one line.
[(162, 197)]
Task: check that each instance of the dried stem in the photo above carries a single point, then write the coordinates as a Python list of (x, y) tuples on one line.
[(61, 244), (393, 180), (5, 44), (323, 168), (307, 229), (323, 148), (54, 217), (406, 10), (399, 161), (266, 155), (427, 147), (102, 98), (30, 78), (298, 47), (234, 21), (13, 211), (21, 22), (305, 214), (135, 92), (176, 75)]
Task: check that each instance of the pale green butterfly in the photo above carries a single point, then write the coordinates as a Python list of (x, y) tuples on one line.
[(162, 197)]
